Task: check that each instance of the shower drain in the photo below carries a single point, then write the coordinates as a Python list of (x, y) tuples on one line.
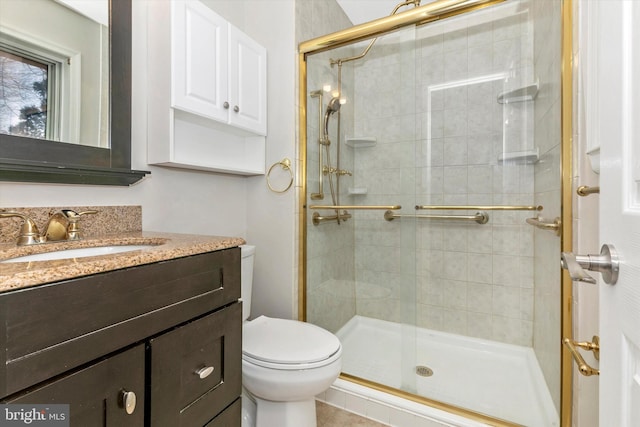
[(424, 371)]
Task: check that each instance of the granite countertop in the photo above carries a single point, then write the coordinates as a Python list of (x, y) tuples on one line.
[(163, 246)]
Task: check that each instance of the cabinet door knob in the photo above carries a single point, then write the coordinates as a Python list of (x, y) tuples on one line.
[(226, 105), (128, 401), (236, 108), (204, 372)]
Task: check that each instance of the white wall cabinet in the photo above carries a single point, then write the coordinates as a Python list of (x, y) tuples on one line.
[(207, 110)]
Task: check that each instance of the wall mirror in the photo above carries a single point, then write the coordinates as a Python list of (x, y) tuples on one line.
[(66, 118)]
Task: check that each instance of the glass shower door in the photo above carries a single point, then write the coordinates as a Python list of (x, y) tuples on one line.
[(361, 270), (446, 140)]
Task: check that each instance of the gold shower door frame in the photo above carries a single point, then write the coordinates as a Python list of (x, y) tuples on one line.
[(418, 16)]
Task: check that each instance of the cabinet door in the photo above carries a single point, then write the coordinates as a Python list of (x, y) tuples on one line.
[(95, 394), (229, 417), (247, 83), (199, 43), (196, 370)]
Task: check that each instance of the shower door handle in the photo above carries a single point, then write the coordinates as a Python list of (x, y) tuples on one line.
[(607, 263)]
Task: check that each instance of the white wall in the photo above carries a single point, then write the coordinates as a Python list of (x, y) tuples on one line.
[(182, 201), (271, 219)]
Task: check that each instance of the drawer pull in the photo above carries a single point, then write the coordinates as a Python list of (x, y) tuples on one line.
[(204, 372), (128, 401)]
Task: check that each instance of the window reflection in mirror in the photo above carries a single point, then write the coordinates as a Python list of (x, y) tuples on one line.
[(54, 70), (24, 91)]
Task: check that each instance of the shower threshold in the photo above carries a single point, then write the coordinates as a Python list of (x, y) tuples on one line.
[(500, 380)]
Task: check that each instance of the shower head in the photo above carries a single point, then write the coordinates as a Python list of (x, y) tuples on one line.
[(333, 106)]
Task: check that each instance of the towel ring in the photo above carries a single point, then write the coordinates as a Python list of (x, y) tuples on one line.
[(286, 165)]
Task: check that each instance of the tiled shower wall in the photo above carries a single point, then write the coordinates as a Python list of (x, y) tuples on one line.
[(330, 246), (431, 103)]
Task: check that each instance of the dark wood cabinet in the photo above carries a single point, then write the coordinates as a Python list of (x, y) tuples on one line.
[(201, 364), (96, 394), (170, 332)]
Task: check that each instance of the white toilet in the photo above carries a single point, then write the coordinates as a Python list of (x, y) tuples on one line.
[(285, 364)]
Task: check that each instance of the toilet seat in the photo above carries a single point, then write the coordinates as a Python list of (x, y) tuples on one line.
[(288, 344)]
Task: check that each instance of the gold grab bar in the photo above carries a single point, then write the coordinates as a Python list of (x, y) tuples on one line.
[(479, 217), (585, 190), (594, 346), (320, 194), (355, 208), (538, 222), (480, 208), (317, 218)]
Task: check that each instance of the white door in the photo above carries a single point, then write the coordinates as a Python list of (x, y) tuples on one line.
[(617, 128)]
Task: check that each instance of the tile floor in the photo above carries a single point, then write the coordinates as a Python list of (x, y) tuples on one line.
[(330, 416)]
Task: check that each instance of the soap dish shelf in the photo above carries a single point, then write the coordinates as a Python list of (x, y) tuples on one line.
[(522, 94), (361, 142), (356, 191), (525, 157)]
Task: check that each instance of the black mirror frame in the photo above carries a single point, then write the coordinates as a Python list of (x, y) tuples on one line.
[(35, 160)]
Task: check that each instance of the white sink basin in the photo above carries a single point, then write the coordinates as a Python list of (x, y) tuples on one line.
[(77, 253)]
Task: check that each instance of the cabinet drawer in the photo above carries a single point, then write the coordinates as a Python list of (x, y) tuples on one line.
[(179, 396), (51, 329), (94, 393)]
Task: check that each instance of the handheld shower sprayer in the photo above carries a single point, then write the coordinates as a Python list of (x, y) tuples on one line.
[(333, 106)]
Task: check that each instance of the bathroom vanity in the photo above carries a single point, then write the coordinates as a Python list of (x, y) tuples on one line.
[(150, 337)]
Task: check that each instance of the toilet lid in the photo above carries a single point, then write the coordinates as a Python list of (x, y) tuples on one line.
[(287, 341)]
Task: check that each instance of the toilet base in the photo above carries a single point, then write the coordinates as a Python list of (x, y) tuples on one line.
[(248, 410), (285, 414)]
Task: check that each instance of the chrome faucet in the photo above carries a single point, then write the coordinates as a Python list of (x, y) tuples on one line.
[(62, 225)]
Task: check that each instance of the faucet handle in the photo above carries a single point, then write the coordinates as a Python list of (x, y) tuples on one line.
[(29, 233), (73, 232)]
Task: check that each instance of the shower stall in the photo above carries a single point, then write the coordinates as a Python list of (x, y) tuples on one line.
[(432, 153)]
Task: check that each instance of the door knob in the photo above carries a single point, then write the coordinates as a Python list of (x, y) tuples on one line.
[(607, 263)]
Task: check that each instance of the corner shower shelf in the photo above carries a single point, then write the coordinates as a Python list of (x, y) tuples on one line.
[(526, 157), (357, 190), (526, 93), (360, 142)]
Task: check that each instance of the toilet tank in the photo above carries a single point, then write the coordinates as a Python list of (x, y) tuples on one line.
[(246, 278)]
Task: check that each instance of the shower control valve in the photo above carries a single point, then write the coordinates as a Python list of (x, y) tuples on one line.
[(327, 170)]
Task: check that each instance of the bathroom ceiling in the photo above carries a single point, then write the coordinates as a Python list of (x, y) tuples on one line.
[(360, 11)]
